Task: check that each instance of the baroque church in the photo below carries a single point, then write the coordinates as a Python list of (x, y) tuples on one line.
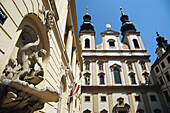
[(116, 74)]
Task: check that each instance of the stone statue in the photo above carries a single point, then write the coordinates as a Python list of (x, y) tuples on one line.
[(24, 61), (11, 70), (147, 80)]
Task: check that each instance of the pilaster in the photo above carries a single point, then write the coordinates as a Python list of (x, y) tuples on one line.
[(69, 44), (110, 102), (94, 74), (107, 73), (146, 102), (132, 109), (125, 72), (95, 103), (138, 72)]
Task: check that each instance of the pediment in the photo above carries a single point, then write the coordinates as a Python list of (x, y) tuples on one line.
[(109, 32)]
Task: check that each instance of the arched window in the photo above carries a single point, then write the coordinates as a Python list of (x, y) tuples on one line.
[(133, 81), (87, 43), (111, 42), (135, 42), (117, 76), (101, 79)]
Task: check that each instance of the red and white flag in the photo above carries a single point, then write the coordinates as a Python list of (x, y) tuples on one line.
[(75, 90)]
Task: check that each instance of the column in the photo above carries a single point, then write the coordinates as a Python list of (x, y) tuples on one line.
[(139, 75), (113, 80), (94, 75), (125, 72), (110, 102), (95, 103), (146, 102), (132, 109), (107, 73), (69, 43), (73, 61)]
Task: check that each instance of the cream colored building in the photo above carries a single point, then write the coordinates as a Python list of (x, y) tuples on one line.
[(29, 80), (161, 68), (116, 74)]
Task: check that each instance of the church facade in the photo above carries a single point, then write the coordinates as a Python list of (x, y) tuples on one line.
[(40, 56), (116, 75)]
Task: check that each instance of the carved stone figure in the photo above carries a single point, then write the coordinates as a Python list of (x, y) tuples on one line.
[(147, 79), (49, 17), (24, 61), (11, 70), (130, 67)]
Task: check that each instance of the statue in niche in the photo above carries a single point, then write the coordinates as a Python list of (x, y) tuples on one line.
[(28, 62), (143, 66), (87, 80), (147, 80), (25, 70), (130, 67)]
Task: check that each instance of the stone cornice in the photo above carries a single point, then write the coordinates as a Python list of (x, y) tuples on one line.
[(112, 89), (137, 57), (114, 50)]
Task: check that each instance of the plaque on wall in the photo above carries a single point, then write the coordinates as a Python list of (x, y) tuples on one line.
[(3, 16)]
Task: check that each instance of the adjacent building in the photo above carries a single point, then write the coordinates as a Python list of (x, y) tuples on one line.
[(40, 56), (161, 68), (116, 74)]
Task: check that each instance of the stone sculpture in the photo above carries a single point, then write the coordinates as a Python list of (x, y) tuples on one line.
[(17, 83)]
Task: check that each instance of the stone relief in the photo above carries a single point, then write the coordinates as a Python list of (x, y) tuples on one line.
[(48, 17), (19, 78)]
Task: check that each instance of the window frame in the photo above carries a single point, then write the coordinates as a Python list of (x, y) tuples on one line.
[(136, 44), (101, 99), (87, 43), (86, 99)]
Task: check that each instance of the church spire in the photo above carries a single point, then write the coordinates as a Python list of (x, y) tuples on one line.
[(87, 25), (161, 41), (127, 26)]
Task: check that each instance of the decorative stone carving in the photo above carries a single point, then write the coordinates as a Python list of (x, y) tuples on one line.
[(120, 106), (146, 76), (48, 17), (87, 78), (17, 84)]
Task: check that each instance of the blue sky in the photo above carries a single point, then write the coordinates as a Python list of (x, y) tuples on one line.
[(148, 16)]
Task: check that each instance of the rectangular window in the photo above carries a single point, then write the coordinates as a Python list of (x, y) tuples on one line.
[(167, 76), (157, 70), (103, 99), (153, 98), (87, 98), (166, 96), (137, 98), (163, 65), (161, 81)]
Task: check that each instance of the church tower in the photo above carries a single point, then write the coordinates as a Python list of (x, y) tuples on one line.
[(87, 33), (116, 74)]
